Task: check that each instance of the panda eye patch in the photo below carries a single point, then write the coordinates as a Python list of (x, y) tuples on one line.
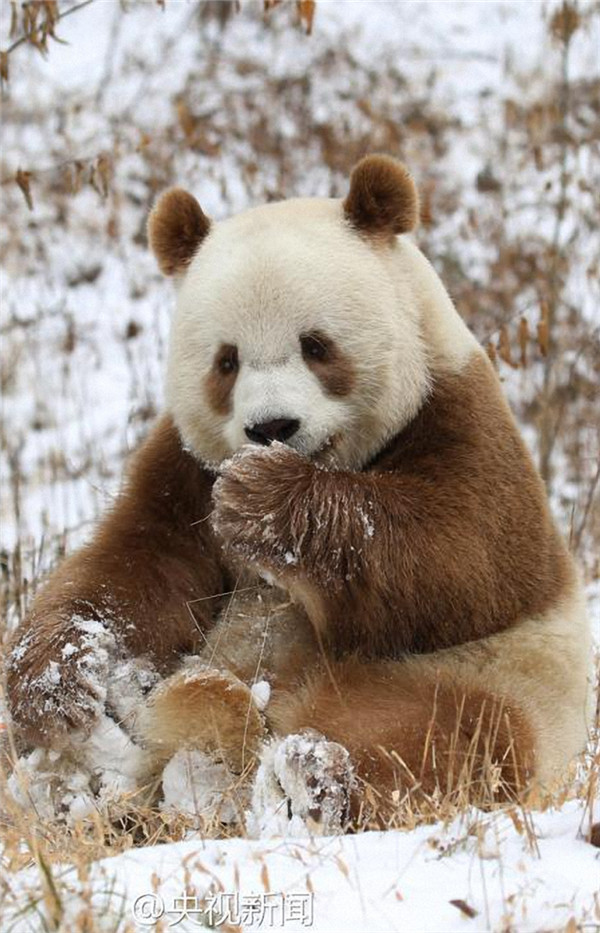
[(332, 367), (315, 347), (227, 360)]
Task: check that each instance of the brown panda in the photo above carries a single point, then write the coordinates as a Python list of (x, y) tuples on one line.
[(334, 428)]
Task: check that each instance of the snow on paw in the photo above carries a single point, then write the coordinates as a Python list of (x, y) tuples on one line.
[(302, 786), (52, 785), (204, 709), (131, 680), (116, 764), (100, 771), (57, 680), (202, 789), (252, 501)]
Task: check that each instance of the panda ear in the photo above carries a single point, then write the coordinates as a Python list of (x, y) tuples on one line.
[(382, 199), (176, 227)]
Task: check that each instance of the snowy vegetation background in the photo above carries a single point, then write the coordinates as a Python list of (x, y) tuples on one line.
[(495, 108)]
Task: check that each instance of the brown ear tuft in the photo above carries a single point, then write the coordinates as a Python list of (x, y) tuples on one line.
[(176, 227), (382, 197)]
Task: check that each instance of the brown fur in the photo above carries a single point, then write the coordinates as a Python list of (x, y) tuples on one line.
[(176, 228), (262, 635), (151, 556), (412, 734), (462, 545), (207, 709), (334, 369), (382, 198), (462, 542), (218, 384), (444, 538)]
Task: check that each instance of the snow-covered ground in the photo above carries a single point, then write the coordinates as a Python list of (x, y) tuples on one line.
[(85, 320), (481, 872)]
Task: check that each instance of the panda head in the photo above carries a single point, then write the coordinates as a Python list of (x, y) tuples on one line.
[(293, 321)]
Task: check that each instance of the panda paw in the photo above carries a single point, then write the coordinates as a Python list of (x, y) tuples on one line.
[(57, 680), (252, 502), (303, 786)]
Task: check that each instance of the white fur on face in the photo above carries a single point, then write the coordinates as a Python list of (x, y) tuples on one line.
[(261, 280), (286, 389)]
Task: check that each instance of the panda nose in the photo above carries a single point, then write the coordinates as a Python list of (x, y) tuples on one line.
[(278, 430)]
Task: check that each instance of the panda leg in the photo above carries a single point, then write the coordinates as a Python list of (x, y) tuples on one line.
[(408, 728), (206, 709)]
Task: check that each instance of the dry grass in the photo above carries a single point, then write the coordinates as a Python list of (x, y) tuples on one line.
[(517, 245), (48, 851)]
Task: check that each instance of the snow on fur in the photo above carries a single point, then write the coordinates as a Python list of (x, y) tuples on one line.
[(377, 881)]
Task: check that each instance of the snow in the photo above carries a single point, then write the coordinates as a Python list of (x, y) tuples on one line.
[(195, 785), (261, 693), (95, 771), (378, 881), (89, 407), (465, 49), (301, 786), (367, 521), (90, 773)]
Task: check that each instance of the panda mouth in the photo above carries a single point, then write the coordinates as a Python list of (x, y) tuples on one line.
[(325, 453)]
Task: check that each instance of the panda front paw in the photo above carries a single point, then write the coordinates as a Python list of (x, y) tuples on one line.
[(256, 498), (303, 785), (57, 675)]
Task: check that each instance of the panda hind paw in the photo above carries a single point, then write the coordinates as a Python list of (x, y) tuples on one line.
[(303, 786)]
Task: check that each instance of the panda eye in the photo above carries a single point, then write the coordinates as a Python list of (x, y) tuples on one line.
[(227, 360), (314, 347)]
